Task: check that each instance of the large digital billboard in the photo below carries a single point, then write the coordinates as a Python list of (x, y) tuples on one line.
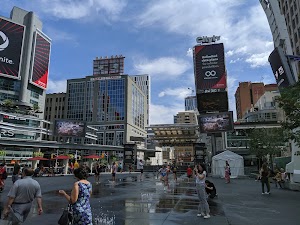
[(211, 102), (69, 128), (280, 68), (209, 68), (11, 43), (215, 123), (40, 68)]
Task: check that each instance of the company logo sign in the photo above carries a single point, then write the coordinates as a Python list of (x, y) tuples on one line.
[(6, 133), (210, 74), (5, 41), (11, 43), (205, 39)]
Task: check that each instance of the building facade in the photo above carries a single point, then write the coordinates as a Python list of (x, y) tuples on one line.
[(112, 104), (108, 65), (190, 103), (247, 94), (189, 117)]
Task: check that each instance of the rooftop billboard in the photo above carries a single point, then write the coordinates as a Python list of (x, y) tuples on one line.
[(209, 68), (11, 43), (40, 68), (69, 128), (215, 123)]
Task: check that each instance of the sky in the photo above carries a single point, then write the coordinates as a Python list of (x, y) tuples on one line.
[(156, 37)]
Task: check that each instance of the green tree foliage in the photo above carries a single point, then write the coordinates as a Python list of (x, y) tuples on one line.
[(267, 141), (289, 101)]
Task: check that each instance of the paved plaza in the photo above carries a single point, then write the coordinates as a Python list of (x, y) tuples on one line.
[(131, 202)]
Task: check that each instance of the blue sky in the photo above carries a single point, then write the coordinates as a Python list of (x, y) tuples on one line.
[(156, 37)]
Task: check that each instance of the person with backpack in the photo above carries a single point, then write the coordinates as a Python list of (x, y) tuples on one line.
[(264, 178)]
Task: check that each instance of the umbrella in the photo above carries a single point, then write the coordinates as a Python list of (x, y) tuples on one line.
[(37, 158), (62, 157), (92, 157)]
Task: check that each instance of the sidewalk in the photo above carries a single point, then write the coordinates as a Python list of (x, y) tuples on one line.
[(131, 202)]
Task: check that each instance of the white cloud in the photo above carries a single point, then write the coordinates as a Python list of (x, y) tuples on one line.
[(56, 86), (178, 93), (258, 60), (243, 29), (162, 68), (163, 114), (59, 35)]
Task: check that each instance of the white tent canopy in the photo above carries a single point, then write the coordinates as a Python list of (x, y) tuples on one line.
[(236, 163)]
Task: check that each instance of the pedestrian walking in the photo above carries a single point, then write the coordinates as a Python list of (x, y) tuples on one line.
[(21, 196), (3, 176), (164, 176), (174, 170), (97, 173), (203, 208), (227, 173), (16, 172), (264, 178), (79, 198), (140, 166), (189, 173), (113, 172)]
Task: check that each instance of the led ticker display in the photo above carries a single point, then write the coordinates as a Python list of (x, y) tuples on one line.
[(11, 43), (41, 59)]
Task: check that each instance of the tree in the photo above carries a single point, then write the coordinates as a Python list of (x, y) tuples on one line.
[(267, 142), (8, 103), (289, 101)]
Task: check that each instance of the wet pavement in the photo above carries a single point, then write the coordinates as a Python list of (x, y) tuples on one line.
[(131, 202)]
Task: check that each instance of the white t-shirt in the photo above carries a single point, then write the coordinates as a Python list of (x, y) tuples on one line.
[(140, 165), (201, 181)]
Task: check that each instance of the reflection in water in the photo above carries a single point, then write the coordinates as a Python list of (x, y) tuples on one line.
[(105, 218)]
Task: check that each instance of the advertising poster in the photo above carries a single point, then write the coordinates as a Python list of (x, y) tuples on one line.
[(280, 68), (215, 123), (40, 68), (209, 68), (69, 128), (11, 43)]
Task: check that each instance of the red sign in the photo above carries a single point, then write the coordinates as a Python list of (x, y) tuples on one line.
[(41, 59)]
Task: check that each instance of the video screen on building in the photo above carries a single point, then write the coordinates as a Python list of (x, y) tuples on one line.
[(69, 128), (209, 68), (215, 123), (11, 44), (211, 102), (40, 68)]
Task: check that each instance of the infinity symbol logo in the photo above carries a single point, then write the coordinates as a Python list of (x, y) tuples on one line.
[(5, 41), (211, 73)]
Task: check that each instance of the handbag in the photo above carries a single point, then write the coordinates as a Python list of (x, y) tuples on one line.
[(67, 216)]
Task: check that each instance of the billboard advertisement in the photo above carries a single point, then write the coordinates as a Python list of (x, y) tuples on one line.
[(40, 68), (215, 123), (280, 68), (209, 68), (11, 43), (210, 102), (69, 128)]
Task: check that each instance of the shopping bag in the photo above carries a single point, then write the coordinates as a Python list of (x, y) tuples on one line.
[(67, 217)]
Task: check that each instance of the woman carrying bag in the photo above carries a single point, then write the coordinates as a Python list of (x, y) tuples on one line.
[(79, 198)]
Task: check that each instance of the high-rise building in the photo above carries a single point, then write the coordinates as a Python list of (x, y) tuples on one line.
[(247, 94), (190, 103), (189, 117), (143, 82), (112, 104), (108, 65), (54, 109)]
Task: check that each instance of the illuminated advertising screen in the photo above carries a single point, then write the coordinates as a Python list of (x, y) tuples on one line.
[(210, 102), (280, 68), (215, 123), (11, 42), (69, 128), (209, 68), (40, 68)]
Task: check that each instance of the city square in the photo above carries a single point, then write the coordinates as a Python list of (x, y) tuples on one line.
[(130, 201)]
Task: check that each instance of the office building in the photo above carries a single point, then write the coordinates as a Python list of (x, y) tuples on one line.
[(143, 82), (247, 94), (189, 117), (112, 104), (23, 83), (54, 109), (190, 103)]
